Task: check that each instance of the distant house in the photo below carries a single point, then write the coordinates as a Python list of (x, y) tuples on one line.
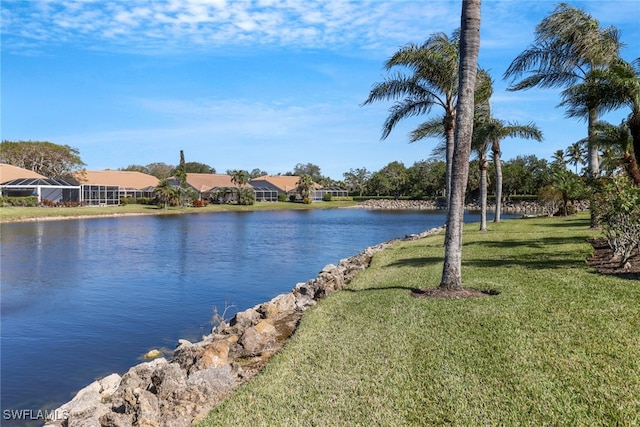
[(107, 187), (288, 185), (219, 188), (19, 182)]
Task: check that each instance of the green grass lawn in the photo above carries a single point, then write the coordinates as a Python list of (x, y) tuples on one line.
[(8, 214), (559, 345)]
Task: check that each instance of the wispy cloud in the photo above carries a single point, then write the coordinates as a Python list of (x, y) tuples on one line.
[(153, 26)]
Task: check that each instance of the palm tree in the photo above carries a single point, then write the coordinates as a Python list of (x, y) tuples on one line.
[(305, 184), (575, 154), (480, 144), (621, 87), (469, 48), (239, 177), (558, 158), (618, 140), (165, 192), (497, 130), (433, 83), (570, 50)]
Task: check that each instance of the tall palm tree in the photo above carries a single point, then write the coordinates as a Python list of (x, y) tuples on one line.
[(433, 82), (469, 48), (570, 50), (575, 154)]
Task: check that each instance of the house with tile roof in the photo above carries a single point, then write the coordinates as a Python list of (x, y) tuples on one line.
[(288, 185), (10, 172), (20, 182), (219, 188), (107, 187)]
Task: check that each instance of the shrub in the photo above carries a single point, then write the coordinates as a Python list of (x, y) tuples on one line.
[(200, 203), (326, 197), (282, 197), (551, 199), (306, 200), (246, 197), (28, 201), (618, 208)]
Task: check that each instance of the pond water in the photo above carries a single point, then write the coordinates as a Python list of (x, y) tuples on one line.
[(83, 298)]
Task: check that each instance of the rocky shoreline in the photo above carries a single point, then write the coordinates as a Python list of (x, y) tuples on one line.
[(523, 207), (180, 391)]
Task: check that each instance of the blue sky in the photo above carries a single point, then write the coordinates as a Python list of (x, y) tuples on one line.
[(254, 84)]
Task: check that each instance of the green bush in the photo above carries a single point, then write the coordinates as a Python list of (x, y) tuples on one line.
[(618, 208), (326, 197), (282, 197), (28, 201), (246, 197)]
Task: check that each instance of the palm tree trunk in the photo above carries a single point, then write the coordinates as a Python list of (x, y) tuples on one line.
[(594, 161), (634, 127), (484, 165), (498, 165), (594, 164), (469, 47), (449, 126)]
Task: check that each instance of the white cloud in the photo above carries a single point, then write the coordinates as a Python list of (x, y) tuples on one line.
[(149, 25)]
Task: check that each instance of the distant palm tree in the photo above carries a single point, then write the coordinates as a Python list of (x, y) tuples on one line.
[(480, 144), (558, 158), (575, 154), (305, 185), (570, 50), (239, 177), (165, 192), (497, 130)]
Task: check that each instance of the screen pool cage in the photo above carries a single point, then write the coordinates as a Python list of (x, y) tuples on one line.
[(47, 190)]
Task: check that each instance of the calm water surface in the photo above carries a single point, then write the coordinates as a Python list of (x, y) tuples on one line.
[(84, 298)]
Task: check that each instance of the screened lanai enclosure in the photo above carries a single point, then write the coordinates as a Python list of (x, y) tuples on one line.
[(45, 189), (100, 195), (264, 194)]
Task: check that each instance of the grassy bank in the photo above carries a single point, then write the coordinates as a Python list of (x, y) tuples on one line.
[(12, 214), (558, 346)]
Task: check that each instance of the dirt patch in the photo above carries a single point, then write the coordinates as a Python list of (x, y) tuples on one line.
[(445, 293), (603, 261)]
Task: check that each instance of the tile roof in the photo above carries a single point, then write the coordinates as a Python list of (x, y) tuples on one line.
[(10, 172), (123, 179), (283, 182), (207, 181)]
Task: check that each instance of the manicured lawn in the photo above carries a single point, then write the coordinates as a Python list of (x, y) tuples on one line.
[(8, 214), (559, 345)]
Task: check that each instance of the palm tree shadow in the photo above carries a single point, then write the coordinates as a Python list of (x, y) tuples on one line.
[(415, 262)]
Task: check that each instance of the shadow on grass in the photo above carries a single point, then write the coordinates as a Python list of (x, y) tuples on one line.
[(416, 262), (539, 255), (544, 242), (384, 288)]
